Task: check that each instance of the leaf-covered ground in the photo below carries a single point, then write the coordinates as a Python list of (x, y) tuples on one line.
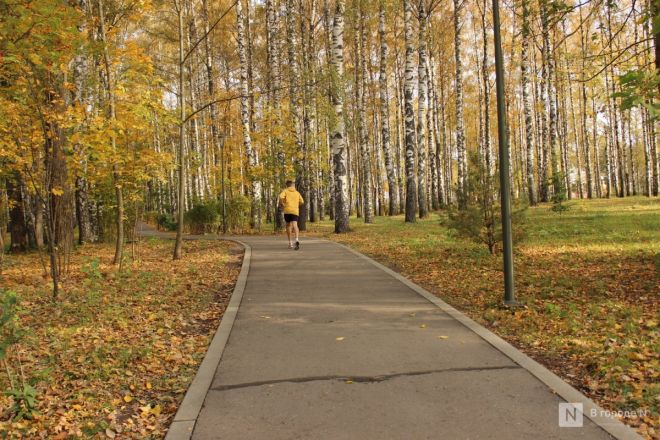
[(114, 355), (588, 279)]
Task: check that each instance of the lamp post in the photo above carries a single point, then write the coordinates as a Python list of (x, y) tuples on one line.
[(505, 193)]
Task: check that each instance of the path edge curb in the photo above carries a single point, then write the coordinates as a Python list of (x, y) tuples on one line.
[(557, 385), (183, 423)]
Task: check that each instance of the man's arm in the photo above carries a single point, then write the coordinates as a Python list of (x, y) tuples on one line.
[(302, 201)]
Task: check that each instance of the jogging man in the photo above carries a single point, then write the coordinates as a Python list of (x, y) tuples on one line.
[(290, 201)]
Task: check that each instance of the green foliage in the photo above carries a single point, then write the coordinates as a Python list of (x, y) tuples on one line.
[(166, 221), (471, 223), (559, 195), (480, 219), (203, 217), (93, 287), (639, 88), (10, 333), (559, 207), (238, 213), (25, 402)]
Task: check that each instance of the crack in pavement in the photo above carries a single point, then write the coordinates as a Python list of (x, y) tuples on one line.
[(358, 379)]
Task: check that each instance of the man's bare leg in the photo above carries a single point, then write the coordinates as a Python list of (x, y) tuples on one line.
[(295, 229), (288, 233)]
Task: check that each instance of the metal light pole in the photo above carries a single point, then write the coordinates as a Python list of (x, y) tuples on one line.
[(505, 193)]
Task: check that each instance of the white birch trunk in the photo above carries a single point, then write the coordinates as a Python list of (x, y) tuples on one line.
[(385, 117), (460, 129), (422, 81), (411, 187), (253, 161), (338, 131)]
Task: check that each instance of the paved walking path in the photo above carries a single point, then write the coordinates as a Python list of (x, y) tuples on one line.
[(328, 345)]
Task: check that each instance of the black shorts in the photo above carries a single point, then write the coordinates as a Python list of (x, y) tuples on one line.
[(290, 218)]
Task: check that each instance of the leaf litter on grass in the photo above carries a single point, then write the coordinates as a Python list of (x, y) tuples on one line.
[(114, 356)]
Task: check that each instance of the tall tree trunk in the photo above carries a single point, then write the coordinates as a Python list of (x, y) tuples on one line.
[(307, 22), (274, 96), (363, 135), (648, 180), (253, 159), (487, 145), (615, 145), (85, 232), (338, 132), (17, 227), (400, 134), (119, 219), (438, 136), (446, 148), (594, 135), (527, 107), (295, 104), (411, 187), (83, 213), (583, 110), (631, 156), (422, 81), (385, 116), (551, 92), (434, 198), (576, 138), (544, 97), (460, 129), (181, 206)]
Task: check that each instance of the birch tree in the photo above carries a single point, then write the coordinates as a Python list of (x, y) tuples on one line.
[(253, 159), (338, 131), (363, 135), (422, 81), (527, 107), (461, 152), (411, 186), (385, 115)]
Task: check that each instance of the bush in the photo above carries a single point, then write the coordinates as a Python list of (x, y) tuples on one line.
[(166, 222), (481, 218), (238, 213), (560, 195), (203, 217)]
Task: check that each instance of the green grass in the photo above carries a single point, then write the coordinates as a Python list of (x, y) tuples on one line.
[(631, 224)]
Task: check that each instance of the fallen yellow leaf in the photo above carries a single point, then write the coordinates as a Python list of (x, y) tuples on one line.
[(340, 338), (128, 398), (443, 337)]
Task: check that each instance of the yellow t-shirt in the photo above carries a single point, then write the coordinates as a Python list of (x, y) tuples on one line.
[(291, 200)]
